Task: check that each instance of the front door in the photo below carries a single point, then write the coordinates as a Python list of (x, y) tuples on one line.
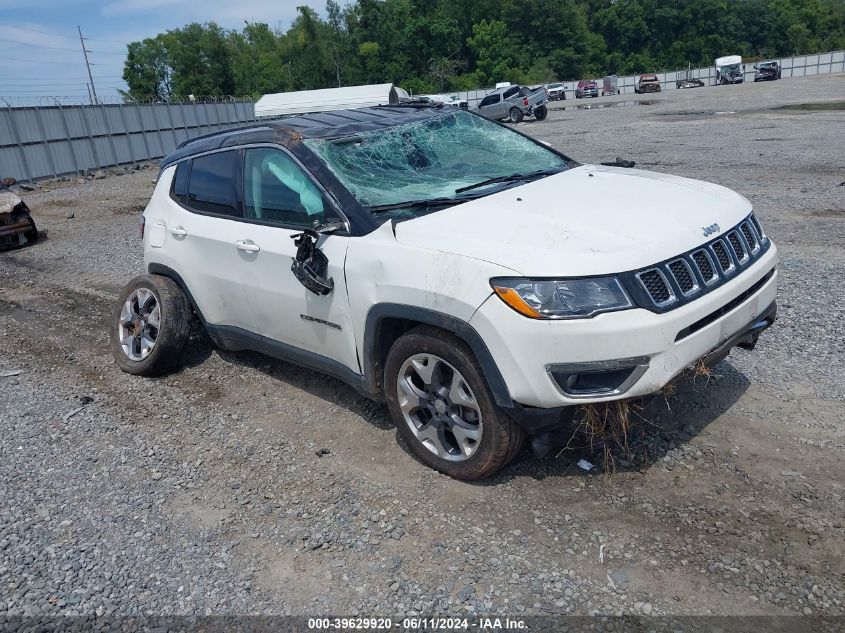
[(280, 200)]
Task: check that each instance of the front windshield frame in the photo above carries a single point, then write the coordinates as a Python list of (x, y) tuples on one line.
[(543, 156)]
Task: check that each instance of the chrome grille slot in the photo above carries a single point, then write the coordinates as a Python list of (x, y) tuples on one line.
[(763, 239), (750, 237), (682, 273), (657, 287), (723, 257), (738, 247), (706, 267)]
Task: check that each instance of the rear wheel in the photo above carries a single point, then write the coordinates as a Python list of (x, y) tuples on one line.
[(515, 115), (540, 113), (150, 326), (443, 409)]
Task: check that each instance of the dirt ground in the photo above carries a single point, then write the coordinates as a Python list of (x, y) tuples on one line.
[(202, 492)]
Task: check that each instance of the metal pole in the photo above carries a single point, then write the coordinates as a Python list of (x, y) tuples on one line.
[(87, 65)]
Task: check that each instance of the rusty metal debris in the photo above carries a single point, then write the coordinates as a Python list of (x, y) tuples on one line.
[(17, 228)]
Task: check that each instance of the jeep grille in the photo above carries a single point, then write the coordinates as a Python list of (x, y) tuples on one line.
[(672, 282)]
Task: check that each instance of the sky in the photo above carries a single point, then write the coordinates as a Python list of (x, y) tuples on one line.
[(41, 56)]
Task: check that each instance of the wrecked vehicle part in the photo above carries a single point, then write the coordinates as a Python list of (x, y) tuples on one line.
[(17, 228), (310, 264)]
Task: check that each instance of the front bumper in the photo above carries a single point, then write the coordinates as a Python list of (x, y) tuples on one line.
[(649, 88), (527, 352)]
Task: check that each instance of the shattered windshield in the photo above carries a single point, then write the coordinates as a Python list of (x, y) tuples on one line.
[(429, 160)]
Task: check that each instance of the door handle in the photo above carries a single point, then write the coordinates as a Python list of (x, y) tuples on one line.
[(249, 247), (178, 231)]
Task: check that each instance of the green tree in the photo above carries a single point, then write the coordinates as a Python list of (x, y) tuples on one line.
[(494, 50), (147, 70)]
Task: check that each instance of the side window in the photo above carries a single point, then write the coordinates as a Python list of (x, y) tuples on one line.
[(489, 100), (277, 190), (213, 184), (510, 92), (179, 187)]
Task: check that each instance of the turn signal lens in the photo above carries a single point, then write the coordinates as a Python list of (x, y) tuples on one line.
[(512, 298)]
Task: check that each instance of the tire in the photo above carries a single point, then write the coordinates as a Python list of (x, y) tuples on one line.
[(540, 113), (515, 115), (416, 401), (140, 300)]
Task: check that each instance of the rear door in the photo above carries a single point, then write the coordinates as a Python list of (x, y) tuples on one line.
[(197, 236), (280, 200)]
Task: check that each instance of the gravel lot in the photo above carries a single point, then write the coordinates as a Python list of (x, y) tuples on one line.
[(202, 492)]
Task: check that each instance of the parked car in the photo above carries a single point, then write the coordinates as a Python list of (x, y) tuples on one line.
[(729, 70), (586, 88), (556, 91), (647, 82), (609, 85), (450, 100), (766, 71), (415, 253), (684, 79), (514, 103)]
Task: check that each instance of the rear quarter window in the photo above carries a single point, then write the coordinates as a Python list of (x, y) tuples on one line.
[(179, 187)]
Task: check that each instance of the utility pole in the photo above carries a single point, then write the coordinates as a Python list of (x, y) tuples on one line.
[(87, 65)]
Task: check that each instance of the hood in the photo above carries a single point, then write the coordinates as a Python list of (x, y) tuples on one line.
[(591, 220)]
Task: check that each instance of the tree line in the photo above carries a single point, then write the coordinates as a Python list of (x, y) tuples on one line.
[(430, 46)]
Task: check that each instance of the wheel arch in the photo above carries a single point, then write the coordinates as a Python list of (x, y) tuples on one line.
[(386, 322), (166, 271)]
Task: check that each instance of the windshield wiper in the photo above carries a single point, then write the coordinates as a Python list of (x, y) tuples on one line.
[(419, 204), (510, 178)]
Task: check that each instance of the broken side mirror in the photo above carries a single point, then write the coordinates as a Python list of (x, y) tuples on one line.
[(310, 266)]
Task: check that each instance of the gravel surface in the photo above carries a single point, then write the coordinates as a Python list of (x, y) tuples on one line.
[(208, 492)]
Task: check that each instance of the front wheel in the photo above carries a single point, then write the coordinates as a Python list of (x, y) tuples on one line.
[(515, 115), (540, 113), (443, 409), (150, 326)]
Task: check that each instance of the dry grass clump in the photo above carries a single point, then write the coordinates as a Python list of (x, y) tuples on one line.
[(607, 426)]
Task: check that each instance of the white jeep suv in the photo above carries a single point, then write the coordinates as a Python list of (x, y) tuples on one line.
[(446, 264)]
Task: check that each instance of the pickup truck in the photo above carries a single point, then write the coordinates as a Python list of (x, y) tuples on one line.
[(514, 103)]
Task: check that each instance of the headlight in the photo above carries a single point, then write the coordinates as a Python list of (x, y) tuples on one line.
[(561, 298)]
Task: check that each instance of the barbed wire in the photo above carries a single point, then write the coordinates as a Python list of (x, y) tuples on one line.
[(17, 101)]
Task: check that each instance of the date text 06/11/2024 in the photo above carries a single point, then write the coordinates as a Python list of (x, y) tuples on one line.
[(416, 624)]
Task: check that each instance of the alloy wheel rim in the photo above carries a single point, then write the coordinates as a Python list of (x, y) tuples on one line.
[(139, 322), (439, 407)]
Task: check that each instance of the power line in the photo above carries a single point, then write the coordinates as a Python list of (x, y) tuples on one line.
[(39, 61), (31, 45), (70, 37), (41, 80)]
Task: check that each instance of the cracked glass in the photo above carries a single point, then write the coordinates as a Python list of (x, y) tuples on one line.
[(430, 159)]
